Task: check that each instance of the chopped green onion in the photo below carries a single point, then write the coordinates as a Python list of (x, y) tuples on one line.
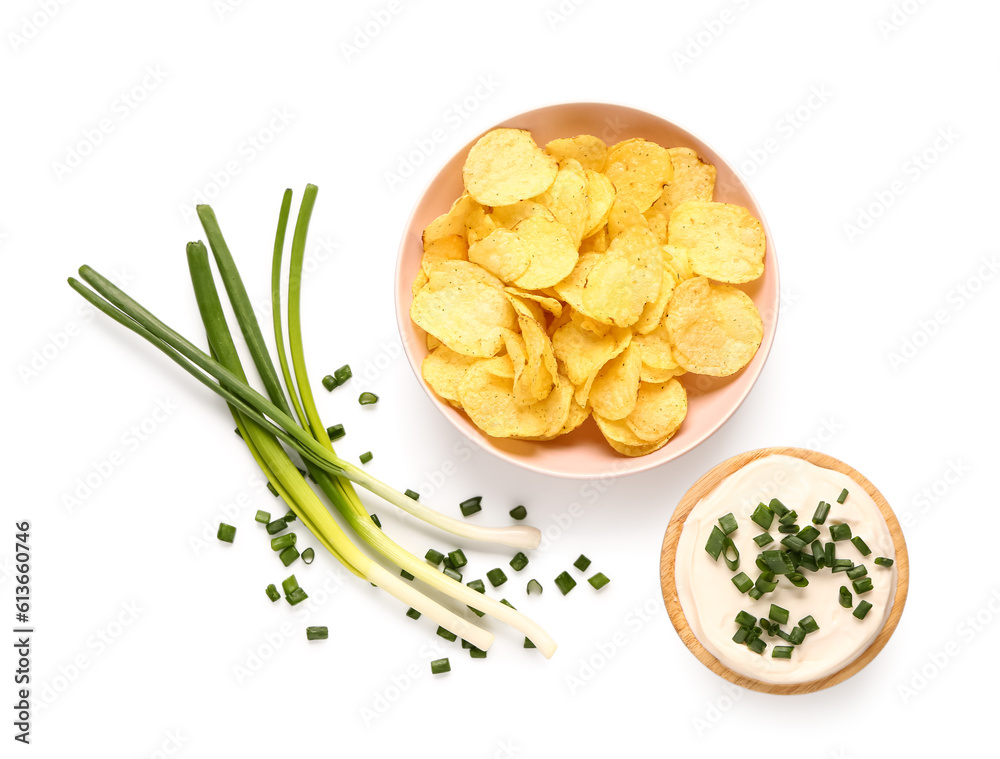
[(882, 561), (742, 582), (788, 529), (477, 653), (457, 558), (405, 575), (519, 512), (765, 582), (519, 562), (728, 523), (582, 563), (763, 539), (731, 554), (777, 507), (808, 624), (262, 516), (565, 583), (274, 490), (821, 513), (434, 557), (788, 518), (807, 561), (446, 634), (778, 614), (413, 613), (798, 579), (808, 534), (272, 592), (534, 587), (861, 545), (466, 644), (470, 506), (857, 572), (289, 584), (598, 581), (746, 619), (329, 382), (819, 556), (308, 555), (335, 432), (317, 633), (289, 555), (226, 532), (782, 634), (757, 646), (283, 541), (477, 585), (343, 374), (830, 553), (496, 577), (793, 542), (762, 516), (440, 666), (843, 496), (782, 652), (841, 565), (778, 562), (863, 585), (797, 636), (528, 643), (296, 597), (715, 543), (412, 494), (365, 457), (453, 574), (846, 599), (862, 611), (289, 517), (741, 634), (505, 602), (367, 399), (840, 531), (755, 593)]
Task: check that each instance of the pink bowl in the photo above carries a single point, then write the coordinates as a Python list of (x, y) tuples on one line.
[(584, 453)]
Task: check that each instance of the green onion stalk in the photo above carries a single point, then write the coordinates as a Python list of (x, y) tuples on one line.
[(265, 423)]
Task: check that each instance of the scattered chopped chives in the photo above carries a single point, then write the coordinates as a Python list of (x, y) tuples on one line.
[(528, 643), (329, 382), (715, 542), (470, 506), (840, 531), (457, 558), (778, 562), (440, 666), (289, 555), (519, 512), (808, 624), (797, 636), (843, 496), (730, 554), (582, 563), (365, 457), (862, 611), (821, 513), (830, 553), (841, 565), (289, 516), (297, 596), (757, 646), (274, 490), (742, 582), (405, 575), (788, 518), (466, 644), (728, 523), (565, 583), (782, 634), (413, 613), (289, 584), (447, 634), (454, 574), (505, 602), (882, 561), (857, 572), (807, 561), (778, 507), (808, 534), (788, 529), (598, 581), (782, 652), (763, 539), (367, 399), (343, 374), (376, 520), (741, 634), (477, 653), (226, 532), (819, 555), (755, 593), (534, 587), (762, 516), (746, 619), (263, 517), (798, 579), (863, 585), (317, 633), (412, 494), (765, 582), (861, 545), (308, 555), (778, 614), (477, 585), (335, 432), (793, 542), (846, 599), (434, 557), (272, 592), (283, 541), (519, 562)]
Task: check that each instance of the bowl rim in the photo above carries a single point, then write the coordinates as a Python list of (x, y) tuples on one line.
[(622, 465), (668, 585)]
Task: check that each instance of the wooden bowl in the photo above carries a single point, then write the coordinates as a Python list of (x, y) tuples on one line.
[(668, 583)]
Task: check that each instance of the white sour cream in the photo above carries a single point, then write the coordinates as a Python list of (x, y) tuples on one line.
[(711, 602)]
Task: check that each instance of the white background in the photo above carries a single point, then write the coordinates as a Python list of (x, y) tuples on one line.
[(881, 115)]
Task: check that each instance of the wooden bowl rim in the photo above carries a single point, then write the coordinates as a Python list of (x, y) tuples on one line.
[(669, 552)]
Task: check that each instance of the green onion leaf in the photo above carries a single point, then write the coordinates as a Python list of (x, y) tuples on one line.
[(731, 554), (882, 561), (226, 533), (288, 555), (763, 539), (534, 587), (471, 506), (447, 635), (846, 599), (457, 558), (283, 541), (763, 516), (777, 507), (808, 624), (598, 581), (440, 666), (861, 545), (821, 513), (742, 582), (365, 457), (565, 583), (496, 577), (582, 563), (715, 543), (367, 399), (778, 614), (519, 562), (434, 557), (335, 432), (317, 633), (519, 512), (857, 572), (863, 585), (840, 531), (862, 611), (728, 523), (843, 496), (782, 652), (272, 592), (263, 517), (413, 613)]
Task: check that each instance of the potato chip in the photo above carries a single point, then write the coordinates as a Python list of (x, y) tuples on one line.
[(657, 225), (581, 353), (589, 151), (613, 392), (510, 216), (419, 281), (451, 223), (487, 396), (548, 303), (715, 329), (624, 279), (553, 252), (678, 259), (622, 439), (432, 342), (651, 374), (655, 348), (443, 369), (624, 214), (447, 248), (693, 180), (591, 325), (723, 241), (535, 382), (478, 224), (659, 411), (567, 199), (505, 166), (600, 197), (596, 243), (638, 169), (501, 253), (465, 308), (652, 312), (623, 339)]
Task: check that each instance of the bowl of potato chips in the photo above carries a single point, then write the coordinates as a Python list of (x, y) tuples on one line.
[(587, 290)]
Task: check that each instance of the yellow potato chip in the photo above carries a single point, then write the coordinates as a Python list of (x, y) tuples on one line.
[(652, 312), (693, 180), (723, 241), (624, 214), (465, 308), (553, 252), (714, 329), (443, 369), (624, 279), (613, 392), (590, 151), (649, 374), (581, 353), (501, 253), (655, 348), (548, 303), (659, 411), (451, 223), (600, 197), (510, 216), (591, 325), (540, 370), (505, 166), (419, 281), (639, 169), (623, 339), (567, 199), (478, 224), (447, 248), (657, 225), (596, 243), (678, 259), (487, 396), (432, 342)]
